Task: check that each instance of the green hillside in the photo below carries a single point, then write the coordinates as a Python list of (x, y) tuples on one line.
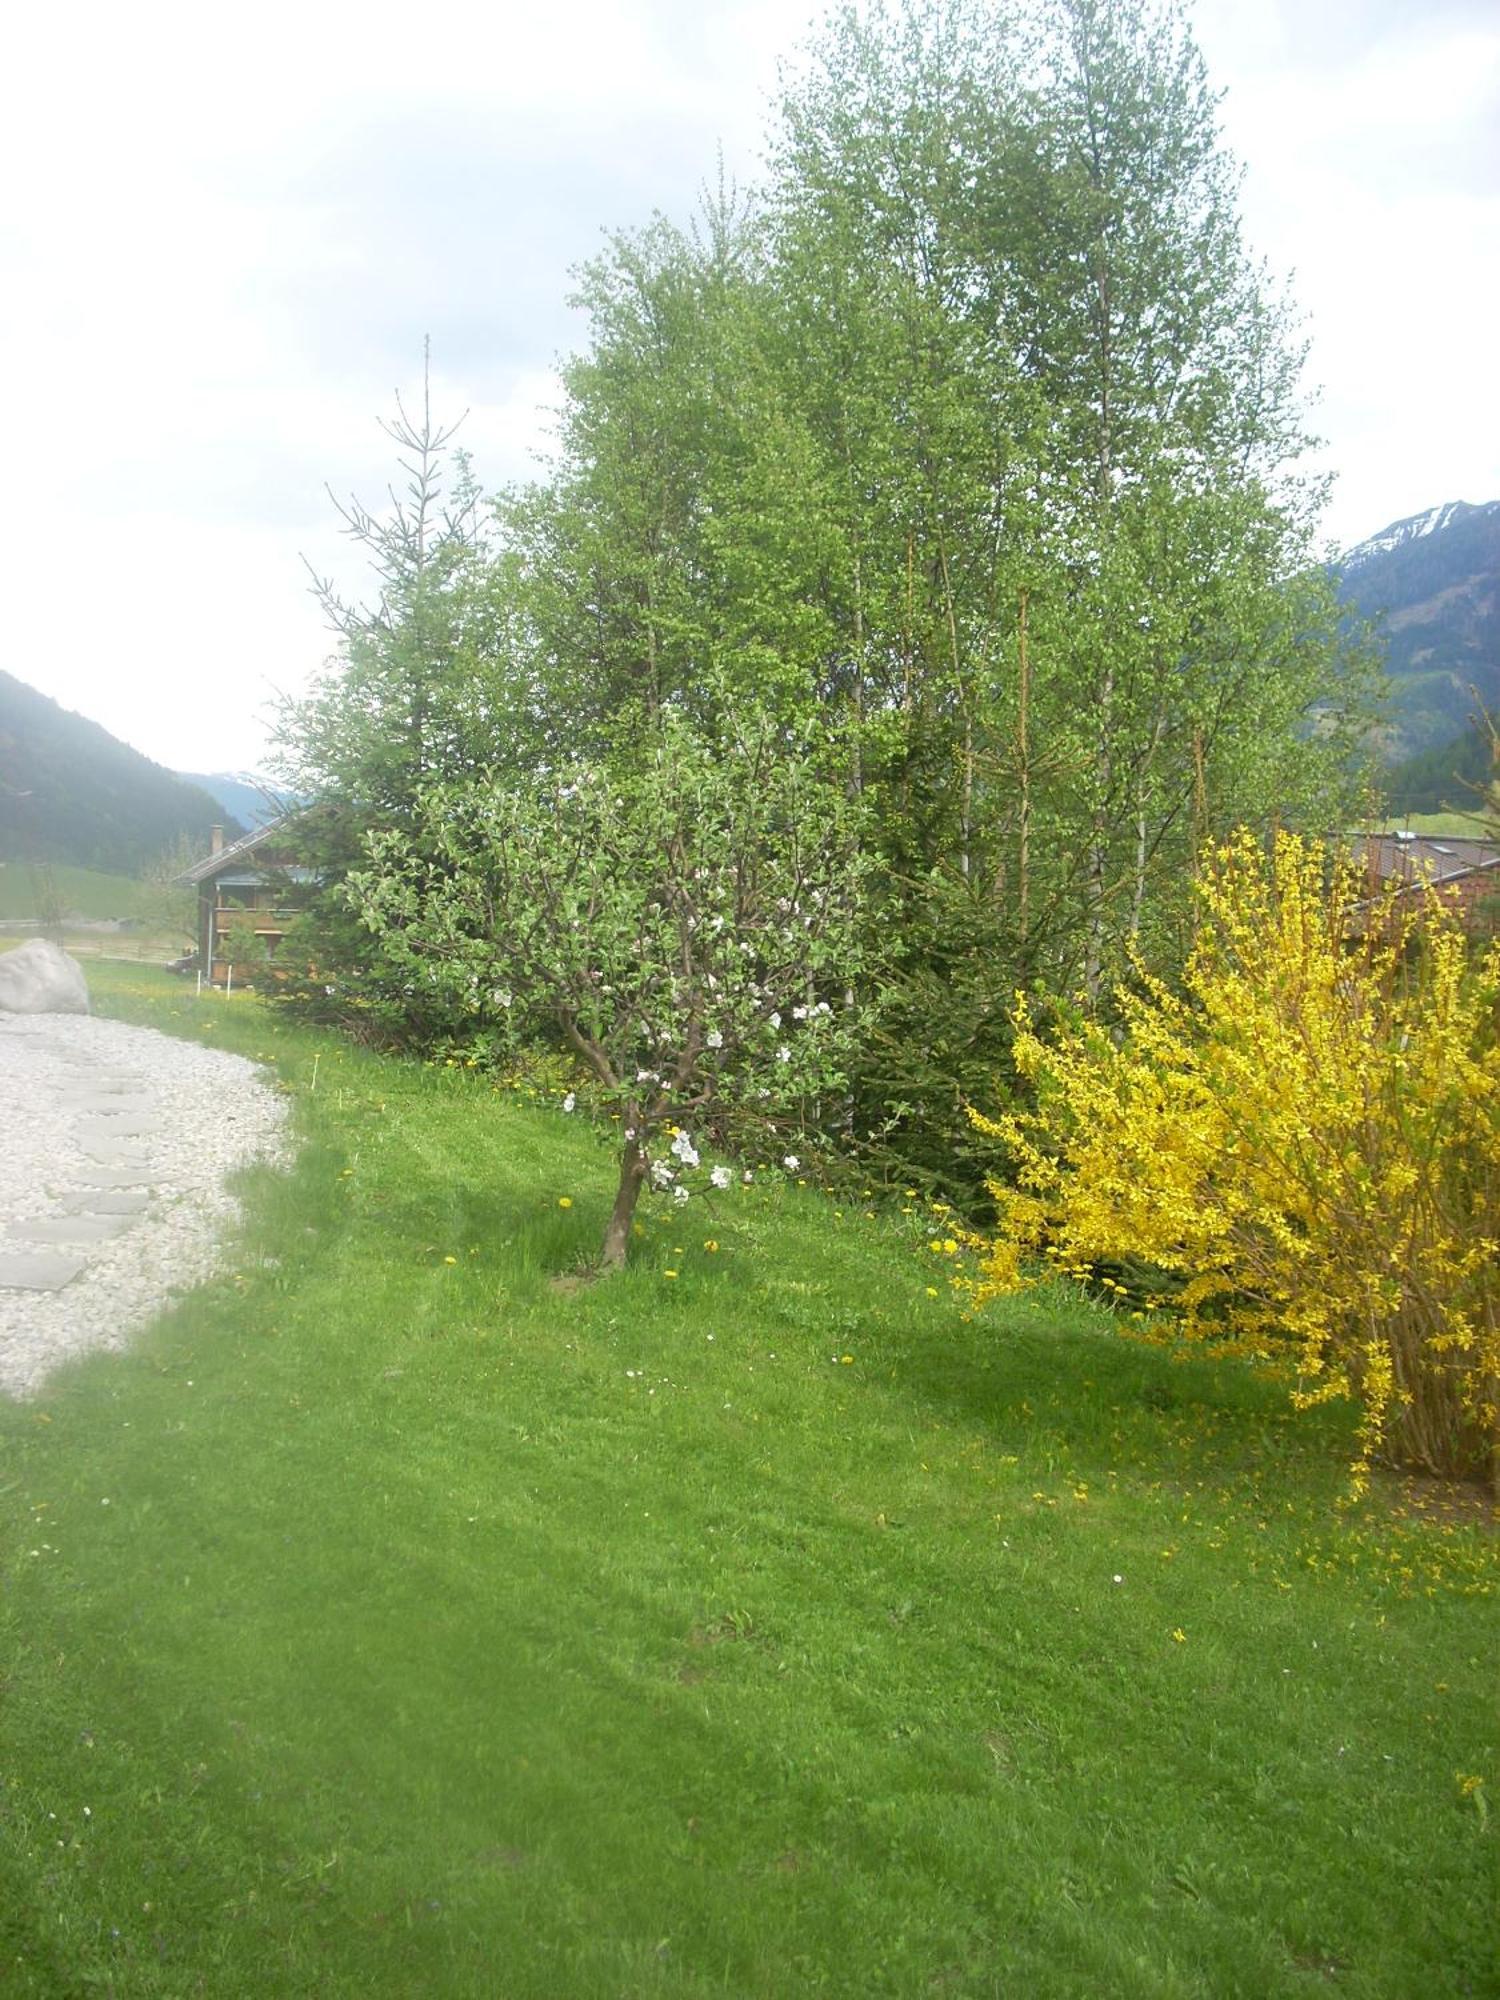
[(28, 891), (72, 793)]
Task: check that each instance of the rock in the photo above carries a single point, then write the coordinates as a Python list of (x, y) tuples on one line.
[(40, 978)]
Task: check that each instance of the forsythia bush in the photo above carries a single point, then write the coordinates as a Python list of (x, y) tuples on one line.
[(1306, 1136)]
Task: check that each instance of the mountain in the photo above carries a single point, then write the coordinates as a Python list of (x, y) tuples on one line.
[(71, 792), (1431, 586), (243, 795)]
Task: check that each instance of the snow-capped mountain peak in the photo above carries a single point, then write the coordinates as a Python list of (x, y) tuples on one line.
[(1413, 529)]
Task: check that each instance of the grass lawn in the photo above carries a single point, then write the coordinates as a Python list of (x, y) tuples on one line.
[(395, 1621)]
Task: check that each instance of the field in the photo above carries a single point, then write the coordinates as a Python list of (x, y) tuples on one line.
[(1457, 826), (403, 1616), (83, 892)]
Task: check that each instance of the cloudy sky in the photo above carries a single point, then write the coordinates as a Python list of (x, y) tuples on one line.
[(225, 232)]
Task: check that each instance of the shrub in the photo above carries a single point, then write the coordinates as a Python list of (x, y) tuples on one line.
[(1302, 1139)]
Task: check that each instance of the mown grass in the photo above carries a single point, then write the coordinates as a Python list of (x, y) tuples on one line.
[(393, 1620)]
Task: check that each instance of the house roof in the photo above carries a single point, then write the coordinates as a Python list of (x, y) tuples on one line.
[(238, 851), (1421, 857)]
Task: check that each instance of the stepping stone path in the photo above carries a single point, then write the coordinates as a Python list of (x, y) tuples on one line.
[(110, 1116), (118, 1148)]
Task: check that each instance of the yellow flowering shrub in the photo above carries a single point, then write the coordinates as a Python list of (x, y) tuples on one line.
[(1304, 1138)]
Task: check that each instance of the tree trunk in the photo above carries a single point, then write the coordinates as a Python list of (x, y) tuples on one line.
[(617, 1232)]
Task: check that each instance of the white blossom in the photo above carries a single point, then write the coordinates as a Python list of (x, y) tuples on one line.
[(679, 1195), (791, 1163), (783, 1054), (569, 1101), (775, 1020), (713, 1039), (501, 998), (799, 1013), (684, 1150), (661, 1174), (720, 1177)]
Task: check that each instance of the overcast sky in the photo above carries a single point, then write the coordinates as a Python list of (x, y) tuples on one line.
[(224, 233)]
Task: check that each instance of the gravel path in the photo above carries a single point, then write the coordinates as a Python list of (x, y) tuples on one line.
[(114, 1146)]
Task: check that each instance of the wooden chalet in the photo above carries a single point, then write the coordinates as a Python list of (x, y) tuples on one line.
[(248, 894)]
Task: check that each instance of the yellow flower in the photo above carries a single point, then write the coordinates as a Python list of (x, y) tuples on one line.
[(565, 1201), (932, 1291), (847, 1360), (669, 1274), (450, 1260), (1179, 1635), (710, 1245)]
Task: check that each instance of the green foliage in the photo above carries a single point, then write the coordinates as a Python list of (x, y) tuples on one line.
[(972, 439)]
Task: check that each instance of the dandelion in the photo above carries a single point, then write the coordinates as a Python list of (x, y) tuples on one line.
[(1179, 1637), (565, 1201), (846, 1360), (450, 1260), (932, 1291), (669, 1274), (710, 1244)]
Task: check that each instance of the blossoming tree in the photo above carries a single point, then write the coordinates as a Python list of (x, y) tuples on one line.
[(690, 925)]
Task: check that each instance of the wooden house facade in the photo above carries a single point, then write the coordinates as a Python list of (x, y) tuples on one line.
[(248, 893)]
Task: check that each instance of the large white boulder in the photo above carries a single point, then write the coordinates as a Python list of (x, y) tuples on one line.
[(40, 978)]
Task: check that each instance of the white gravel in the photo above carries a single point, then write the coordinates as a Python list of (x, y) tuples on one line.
[(209, 1113)]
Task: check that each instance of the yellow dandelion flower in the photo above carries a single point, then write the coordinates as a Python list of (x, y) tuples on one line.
[(565, 1201)]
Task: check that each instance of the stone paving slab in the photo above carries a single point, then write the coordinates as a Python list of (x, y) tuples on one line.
[(116, 1153), (128, 1125), (68, 1228), (105, 1177), (108, 1201), (38, 1270)]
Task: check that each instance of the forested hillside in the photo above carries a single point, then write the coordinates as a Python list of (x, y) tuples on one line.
[(71, 792), (1431, 586)]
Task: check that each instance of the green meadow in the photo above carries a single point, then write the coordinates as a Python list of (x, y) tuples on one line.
[(403, 1616)]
